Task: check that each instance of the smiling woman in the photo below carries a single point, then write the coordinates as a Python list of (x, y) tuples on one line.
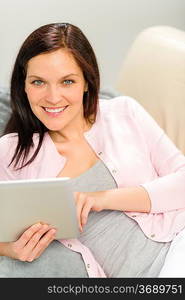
[(127, 176), (55, 86), (38, 65)]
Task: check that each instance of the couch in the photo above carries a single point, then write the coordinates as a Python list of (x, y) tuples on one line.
[(153, 72)]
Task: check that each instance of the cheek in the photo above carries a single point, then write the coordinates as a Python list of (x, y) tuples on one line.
[(75, 96), (33, 95)]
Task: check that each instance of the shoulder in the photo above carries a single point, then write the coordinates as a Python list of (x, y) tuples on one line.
[(121, 105), (8, 143), (8, 138)]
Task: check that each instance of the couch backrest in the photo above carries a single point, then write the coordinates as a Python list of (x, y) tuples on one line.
[(4, 108), (153, 73)]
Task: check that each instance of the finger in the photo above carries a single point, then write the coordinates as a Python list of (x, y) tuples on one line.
[(26, 249), (36, 237), (26, 236), (53, 237), (85, 210), (42, 244), (80, 200)]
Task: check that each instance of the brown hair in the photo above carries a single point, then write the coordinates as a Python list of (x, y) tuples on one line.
[(45, 39)]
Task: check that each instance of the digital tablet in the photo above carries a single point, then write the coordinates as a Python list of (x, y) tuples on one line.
[(26, 202)]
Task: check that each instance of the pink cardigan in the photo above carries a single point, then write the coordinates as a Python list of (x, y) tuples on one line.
[(136, 151)]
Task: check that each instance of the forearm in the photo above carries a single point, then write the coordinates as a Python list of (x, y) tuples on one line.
[(3, 249), (132, 199), (127, 199)]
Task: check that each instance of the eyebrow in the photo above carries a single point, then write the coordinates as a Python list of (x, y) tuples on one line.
[(68, 75)]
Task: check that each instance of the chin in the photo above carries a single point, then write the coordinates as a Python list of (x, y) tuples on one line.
[(53, 127)]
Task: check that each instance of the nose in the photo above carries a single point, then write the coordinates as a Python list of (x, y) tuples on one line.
[(53, 95)]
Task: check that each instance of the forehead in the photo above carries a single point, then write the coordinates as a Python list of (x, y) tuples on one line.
[(55, 61)]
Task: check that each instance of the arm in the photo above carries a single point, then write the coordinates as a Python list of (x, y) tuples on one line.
[(130, 199), (167, 191), (164, 193), (35, 239), (127, 199), (2, 249)]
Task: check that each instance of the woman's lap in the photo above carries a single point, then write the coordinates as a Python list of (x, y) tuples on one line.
[(117, 242), (55, 261)]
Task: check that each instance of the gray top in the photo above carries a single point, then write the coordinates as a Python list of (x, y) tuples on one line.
[(117, 242)]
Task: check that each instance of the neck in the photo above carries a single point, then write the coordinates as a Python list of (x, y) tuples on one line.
[(70, 133)]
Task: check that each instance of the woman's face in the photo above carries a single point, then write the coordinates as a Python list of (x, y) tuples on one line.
[(55, 86)]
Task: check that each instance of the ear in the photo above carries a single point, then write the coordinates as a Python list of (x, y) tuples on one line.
[(86, 87)]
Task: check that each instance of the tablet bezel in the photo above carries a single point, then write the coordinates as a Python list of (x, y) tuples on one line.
[(22, 203)]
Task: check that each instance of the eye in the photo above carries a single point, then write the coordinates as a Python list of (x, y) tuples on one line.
[(38, 82), (68, 82)]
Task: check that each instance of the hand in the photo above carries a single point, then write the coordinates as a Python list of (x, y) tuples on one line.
[(85, 202), (31, 243)]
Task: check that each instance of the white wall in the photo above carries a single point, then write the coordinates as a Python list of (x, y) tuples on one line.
[(110, 25)]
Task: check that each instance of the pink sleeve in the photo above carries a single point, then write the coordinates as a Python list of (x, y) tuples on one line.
[(167, 192)]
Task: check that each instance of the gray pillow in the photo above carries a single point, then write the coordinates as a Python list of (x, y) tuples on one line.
[(4, 107), (108, 93)]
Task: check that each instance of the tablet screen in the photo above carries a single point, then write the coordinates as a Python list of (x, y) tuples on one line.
[(26, 202)]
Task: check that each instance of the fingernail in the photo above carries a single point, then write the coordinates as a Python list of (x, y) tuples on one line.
[(30, 259), (37, 225)]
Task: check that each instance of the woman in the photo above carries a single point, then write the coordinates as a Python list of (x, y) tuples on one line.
[(128, 177)]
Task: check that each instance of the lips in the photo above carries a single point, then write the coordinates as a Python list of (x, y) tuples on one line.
[(54, 111)]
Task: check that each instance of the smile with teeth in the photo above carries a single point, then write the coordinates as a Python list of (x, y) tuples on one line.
[(55, 110)]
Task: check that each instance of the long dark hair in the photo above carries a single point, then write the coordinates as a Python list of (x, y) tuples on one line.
[(48, 38)]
